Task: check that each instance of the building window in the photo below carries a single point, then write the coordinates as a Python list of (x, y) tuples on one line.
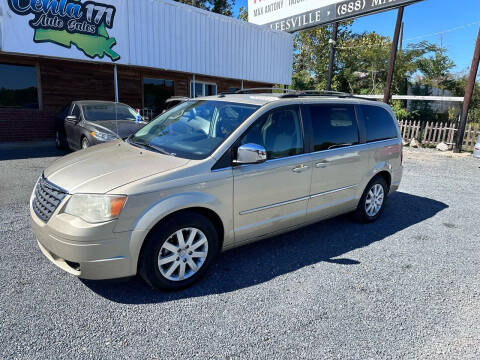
[(203, 89), (155, 92), (18, 86)]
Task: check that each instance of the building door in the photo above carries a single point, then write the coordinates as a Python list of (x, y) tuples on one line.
[(155, 92)]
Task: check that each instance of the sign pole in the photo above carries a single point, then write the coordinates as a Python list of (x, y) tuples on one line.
[(468, 96), (115, 81), (393, 56), (331, 64)]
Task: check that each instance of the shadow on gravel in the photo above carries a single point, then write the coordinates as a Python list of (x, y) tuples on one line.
[(262, 261), (30, 151)]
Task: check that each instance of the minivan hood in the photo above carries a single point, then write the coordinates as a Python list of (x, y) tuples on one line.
[(122, 128), (102, 168)]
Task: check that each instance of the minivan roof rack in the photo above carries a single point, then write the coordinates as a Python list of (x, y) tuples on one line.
[(272, 89), (290, 93)]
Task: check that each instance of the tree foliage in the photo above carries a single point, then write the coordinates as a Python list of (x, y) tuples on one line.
[(362, 63), (243, 13), (224, 7)]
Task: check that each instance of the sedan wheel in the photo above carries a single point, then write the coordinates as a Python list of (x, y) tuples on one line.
[(85, 143)]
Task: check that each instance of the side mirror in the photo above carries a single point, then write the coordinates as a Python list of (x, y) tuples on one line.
[(72, 118), (250, 154)]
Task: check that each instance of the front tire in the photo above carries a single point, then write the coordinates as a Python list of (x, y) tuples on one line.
[(372, 202), (178, 251), (85, 143)]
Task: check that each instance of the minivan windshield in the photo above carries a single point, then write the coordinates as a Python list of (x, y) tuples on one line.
[(193, 129), (107, 111)]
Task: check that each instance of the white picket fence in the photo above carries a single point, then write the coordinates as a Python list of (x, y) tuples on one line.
[(433, 133)]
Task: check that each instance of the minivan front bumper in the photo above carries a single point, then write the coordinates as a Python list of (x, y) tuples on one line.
[(104, 255)]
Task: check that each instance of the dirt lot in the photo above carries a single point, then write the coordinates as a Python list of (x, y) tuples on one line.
[(407, 286)]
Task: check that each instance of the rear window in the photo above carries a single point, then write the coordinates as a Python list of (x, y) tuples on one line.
[(379, 123), (334, 126)]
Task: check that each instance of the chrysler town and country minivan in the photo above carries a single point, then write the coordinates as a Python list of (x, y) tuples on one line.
[(211, 174)]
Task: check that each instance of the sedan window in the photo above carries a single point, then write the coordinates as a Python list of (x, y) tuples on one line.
[(105, 112)]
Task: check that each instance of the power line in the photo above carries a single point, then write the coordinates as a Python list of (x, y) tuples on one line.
[(461, 27)]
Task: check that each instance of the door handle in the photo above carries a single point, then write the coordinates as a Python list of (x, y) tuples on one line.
[(300, 168), (322, 164)]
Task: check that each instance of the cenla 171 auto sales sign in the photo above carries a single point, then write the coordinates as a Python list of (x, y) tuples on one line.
[(294, 15)]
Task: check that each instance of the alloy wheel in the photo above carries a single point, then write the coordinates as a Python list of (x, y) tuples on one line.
[(374, 200), (183, 254)]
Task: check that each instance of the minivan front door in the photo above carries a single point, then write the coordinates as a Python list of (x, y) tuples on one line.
[(339, 164), (273, 195)]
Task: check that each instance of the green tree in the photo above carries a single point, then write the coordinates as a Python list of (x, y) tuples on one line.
[(311, 52), (457, 86), (243, 14), (436, 67), (223, 7)]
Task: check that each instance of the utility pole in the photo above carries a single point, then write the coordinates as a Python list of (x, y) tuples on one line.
[(393, 56), (468, 96), (331, 63)]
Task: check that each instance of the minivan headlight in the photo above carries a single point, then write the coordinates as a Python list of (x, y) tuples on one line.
[(95, 208)]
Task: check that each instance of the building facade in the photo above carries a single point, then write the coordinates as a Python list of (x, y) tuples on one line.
[(139, 52)]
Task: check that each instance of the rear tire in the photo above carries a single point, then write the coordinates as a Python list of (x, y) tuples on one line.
[(178, 251), (372, 202), (60, 140)]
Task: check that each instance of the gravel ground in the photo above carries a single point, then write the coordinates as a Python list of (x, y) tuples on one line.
[(407, 286)]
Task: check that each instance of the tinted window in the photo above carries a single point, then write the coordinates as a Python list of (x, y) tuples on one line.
[(18, 86), (279, 132), (378, 123), (155, 92), (107, 111), (334, 126)]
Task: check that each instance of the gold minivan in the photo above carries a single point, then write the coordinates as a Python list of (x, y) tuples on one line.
[(211, 174)]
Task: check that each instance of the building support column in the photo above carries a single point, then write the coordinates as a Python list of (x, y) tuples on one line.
[(193, 87), (115, 81), (468, 96), (393, 56)]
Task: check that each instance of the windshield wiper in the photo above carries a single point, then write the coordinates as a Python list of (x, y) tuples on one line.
[(147, 146), (156, 148)]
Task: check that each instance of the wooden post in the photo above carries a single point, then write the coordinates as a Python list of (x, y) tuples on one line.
[(331, 63), (468, 95), (393, 56)]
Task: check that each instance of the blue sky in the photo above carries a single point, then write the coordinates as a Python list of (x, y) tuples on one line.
[(427, 17)]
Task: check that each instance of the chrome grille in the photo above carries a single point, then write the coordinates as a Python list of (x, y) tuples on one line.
[(47, 198)]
